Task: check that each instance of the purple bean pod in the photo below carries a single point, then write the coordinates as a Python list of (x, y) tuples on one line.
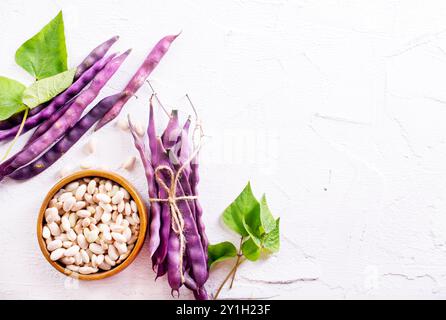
[(58, 101), (95, 55), (155, 210), (71, 116), (173, 262), (140, 77), (67, 141)]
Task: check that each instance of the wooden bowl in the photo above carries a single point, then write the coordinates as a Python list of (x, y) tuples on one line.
[(141, 211)]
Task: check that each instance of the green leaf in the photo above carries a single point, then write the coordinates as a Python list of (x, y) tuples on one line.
[(45, 54), (11, 93), (250, 250), (44, 90), (241, 207), (271, 241), (266, 217), (220, 252)]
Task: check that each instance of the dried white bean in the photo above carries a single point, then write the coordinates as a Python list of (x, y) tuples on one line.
[(69, 203), (68, 260), (71, 251), (113, 253), (83, 213), (91, 187), (96, 248), (90, 147), (64, 196), (57, 254), (46, 233), (87, 270), (118, 237), (72, 186), (109, 261), (81, 241), (54, 228), (129, 164), (85, 256), (106, 217), (121, 247), (53, 245), (67, 244), (104, 266), (73, 268), (80, 192)]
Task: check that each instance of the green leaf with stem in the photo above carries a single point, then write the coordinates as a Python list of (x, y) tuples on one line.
[(45, 54), (11, 92)]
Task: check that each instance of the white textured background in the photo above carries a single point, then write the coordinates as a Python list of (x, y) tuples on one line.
[(335, 109)]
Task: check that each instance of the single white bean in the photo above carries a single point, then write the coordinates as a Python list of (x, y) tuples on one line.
[(121, 247), (72, 186), (73, 268), (46, 233), (71, 251), (104, 266), (80, 192), (118, 237), (83, 213), (57, 254), (91, 187), (91, 145), (69, 203), (87, 270), (66, 223), (96, 248), (106, 217), (86, 164), (79, 205), (118, 197), (129, 164), (54, 228), (113, 253), (71, 235), (53, 245), (102, 197), (78, 258), (82, 242), (64, 196), (128, 209), (85, 256), (67, 244), (109, 261), (127, 233), (133, 206), (68, 260)]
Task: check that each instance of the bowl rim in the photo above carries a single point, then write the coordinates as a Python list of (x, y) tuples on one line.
[(141, 211)]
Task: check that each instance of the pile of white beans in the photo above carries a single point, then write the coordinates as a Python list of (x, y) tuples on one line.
[(90, 225)]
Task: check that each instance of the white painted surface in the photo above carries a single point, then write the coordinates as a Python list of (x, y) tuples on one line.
[(335, 109)]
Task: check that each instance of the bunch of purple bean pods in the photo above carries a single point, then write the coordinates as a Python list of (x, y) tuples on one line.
[(177, 240)]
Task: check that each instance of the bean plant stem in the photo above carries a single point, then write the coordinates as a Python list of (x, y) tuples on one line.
[(239, 256), (234, 269), (11, 145)]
